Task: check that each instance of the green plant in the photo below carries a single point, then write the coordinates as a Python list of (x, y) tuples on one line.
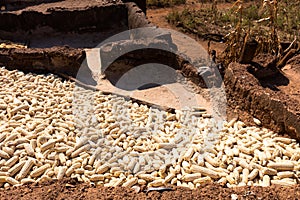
[(173, 17), (251, 12), (164, 3), (226, 17)]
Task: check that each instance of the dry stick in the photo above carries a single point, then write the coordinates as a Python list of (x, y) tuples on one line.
[(138, 101), (288, 53), (290, 46), (281, 63)]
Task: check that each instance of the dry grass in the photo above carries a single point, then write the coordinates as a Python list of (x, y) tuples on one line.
[(268, 22), (266, 30)]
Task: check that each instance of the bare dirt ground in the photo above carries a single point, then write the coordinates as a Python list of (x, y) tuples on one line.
[(292, 72), (70, 189), (158, 18), (175, 95)]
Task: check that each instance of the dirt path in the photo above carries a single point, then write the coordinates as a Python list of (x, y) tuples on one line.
[(157, 16)]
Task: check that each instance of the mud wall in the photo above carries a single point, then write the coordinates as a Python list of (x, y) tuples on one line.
[(136, 17), (55, 60), (100, 17), (118, 57), (140, 3), (275, 109)]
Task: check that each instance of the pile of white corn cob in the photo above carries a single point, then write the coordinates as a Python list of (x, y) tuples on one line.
[(47, 132)]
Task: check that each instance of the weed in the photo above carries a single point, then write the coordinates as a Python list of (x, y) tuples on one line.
[(164, 3)]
